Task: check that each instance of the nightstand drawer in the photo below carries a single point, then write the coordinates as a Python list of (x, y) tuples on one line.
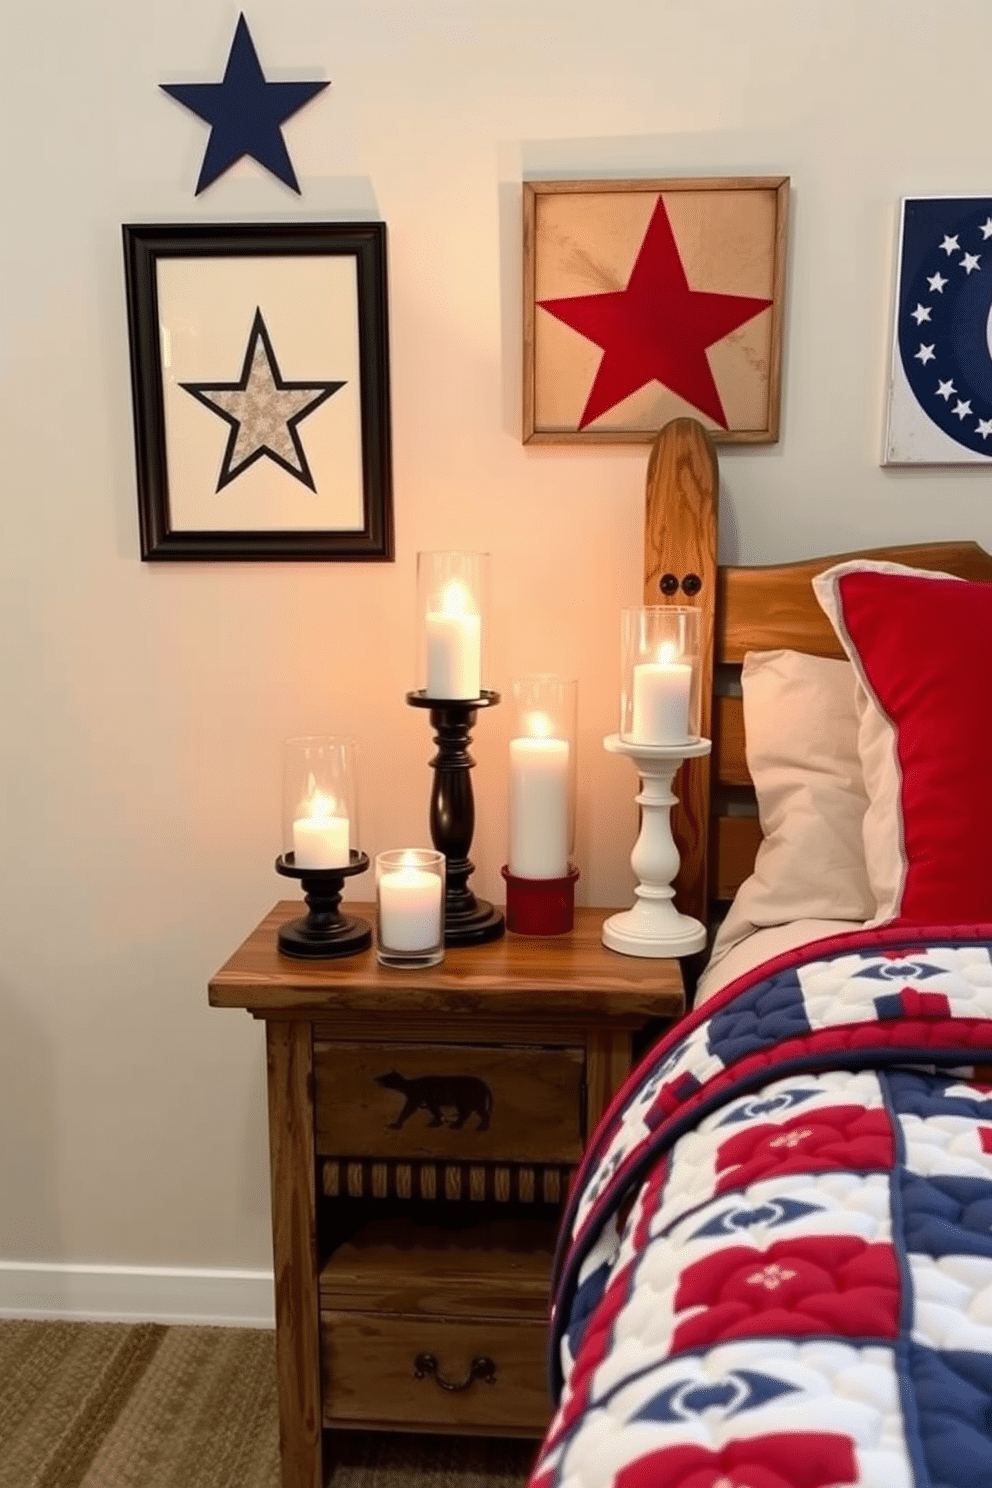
[(445, 1326), (467, 1102), (424, 1372)]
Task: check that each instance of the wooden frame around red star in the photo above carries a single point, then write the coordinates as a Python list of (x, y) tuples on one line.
[(650, 300)]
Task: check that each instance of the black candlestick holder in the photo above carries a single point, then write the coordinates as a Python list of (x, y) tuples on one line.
[(325, 931), (467, 920)]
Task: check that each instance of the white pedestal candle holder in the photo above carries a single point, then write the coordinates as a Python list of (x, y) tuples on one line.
[(653, 926)]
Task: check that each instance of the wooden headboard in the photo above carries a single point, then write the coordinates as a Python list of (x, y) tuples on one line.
[(743, 609)]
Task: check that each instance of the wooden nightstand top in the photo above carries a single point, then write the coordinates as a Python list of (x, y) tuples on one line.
[(571, 977)]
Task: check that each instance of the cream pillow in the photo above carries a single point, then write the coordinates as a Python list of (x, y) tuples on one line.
[(801, 742)]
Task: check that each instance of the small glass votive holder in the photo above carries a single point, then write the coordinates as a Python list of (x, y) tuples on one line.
[(659, 675), (320, 801), (409, 898), (452, 591)]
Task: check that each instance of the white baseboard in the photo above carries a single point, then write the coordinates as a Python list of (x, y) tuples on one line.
[(133, 1294)]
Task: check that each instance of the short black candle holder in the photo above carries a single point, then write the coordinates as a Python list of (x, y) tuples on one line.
[(325, 931), (467, 920)]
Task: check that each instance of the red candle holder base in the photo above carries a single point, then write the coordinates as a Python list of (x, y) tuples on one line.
[(540, 906)]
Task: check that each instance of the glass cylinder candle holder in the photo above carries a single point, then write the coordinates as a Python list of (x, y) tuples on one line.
[(452, 592), (539, 873), (659, 675), (320, 801), (409, 896), (542, 776)]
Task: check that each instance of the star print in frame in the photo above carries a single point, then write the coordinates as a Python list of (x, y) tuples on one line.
[(245, 113), (650, 300), (262, 410), (940, 386), (259, 378)]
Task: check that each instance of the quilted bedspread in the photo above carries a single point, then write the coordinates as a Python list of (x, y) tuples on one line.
[(776, 1262)]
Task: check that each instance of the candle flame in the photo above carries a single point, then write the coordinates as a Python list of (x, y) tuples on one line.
[(538, 726), (666, 653), (455, 599), (409, 858), (320, 807)]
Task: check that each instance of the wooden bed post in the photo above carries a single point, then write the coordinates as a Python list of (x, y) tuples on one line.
[(680, 568)]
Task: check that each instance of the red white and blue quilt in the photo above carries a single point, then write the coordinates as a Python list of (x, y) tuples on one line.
[(776, 1262)]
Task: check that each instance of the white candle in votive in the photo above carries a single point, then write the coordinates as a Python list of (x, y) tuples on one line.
[(454, 647), (538, 804), (409, 909), (321, 840), (660, 713)]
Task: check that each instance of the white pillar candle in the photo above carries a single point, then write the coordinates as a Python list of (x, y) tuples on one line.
[(538, 808), (410, 912), (321, 840), (454, 647), (661, 700)]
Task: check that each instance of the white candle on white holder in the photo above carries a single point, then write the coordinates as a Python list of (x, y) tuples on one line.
[(539, 792), (410, 908), (454, 647), (322, 839), (661, 694)]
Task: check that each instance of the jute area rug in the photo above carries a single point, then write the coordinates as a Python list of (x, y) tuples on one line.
[(109, 1405)]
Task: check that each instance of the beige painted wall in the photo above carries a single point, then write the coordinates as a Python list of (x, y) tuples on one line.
[(144, 705)]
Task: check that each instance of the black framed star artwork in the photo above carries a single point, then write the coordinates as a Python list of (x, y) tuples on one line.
[(940, 384), (648, 300), (260, 388)]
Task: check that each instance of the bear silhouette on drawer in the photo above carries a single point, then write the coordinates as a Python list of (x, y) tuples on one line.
[(449, 1099), (478, 1102)]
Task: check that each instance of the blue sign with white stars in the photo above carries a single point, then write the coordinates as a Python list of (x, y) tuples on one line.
[(944, 316)]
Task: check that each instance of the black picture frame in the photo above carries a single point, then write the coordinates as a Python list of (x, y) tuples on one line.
[(207, 304)]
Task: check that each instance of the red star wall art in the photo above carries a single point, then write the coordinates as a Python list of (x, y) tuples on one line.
[(652, 300)]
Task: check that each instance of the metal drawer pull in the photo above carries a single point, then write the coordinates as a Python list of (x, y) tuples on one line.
[(481, 1368)]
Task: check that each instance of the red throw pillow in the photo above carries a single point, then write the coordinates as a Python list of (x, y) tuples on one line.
[(921, 645)]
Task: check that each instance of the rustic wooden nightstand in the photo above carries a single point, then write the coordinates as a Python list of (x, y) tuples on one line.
[(422, 1130)]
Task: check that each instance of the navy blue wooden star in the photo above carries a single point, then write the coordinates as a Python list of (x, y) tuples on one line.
[(244, 113)]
